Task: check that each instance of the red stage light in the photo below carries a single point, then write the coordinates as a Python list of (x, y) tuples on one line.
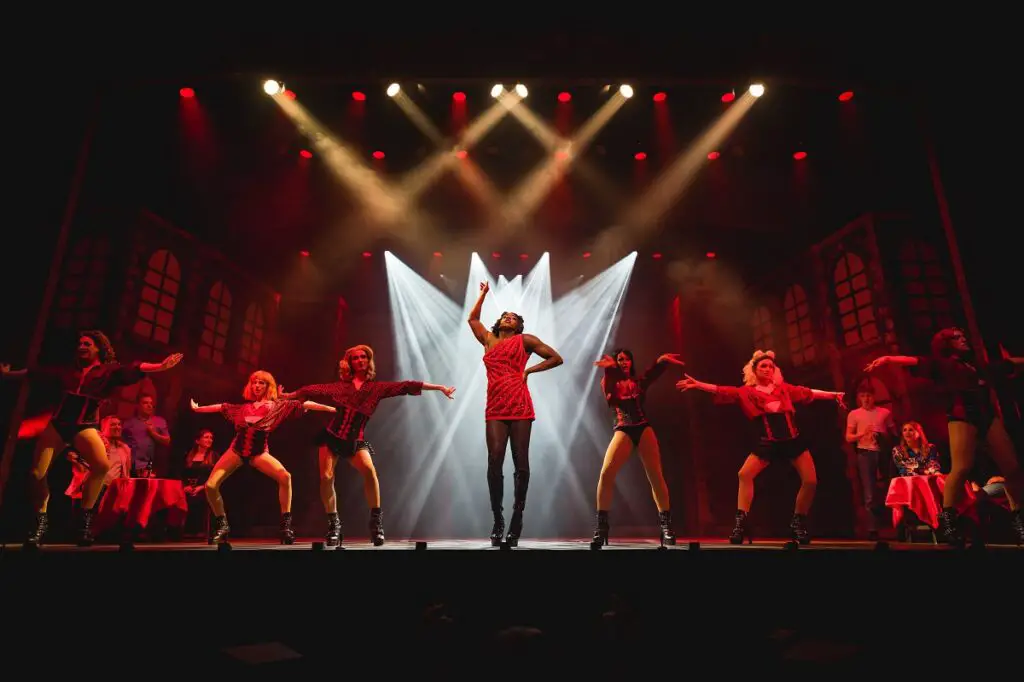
[(524, 256), (359, 96), (728, 97), (713, 155), (564, 97), (710, 254), (187, 92), (656, 256), (462, 153), (289, 94), (459, 97), (586, 254), (846, 96), (437, 254), (306, 154), (660, 97), (640, 156), (800, 156), (304, 254), (378, 155), (367, 254), (495, 254)]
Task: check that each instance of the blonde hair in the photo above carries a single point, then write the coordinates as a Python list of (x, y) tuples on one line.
[(750, 377), (345, 370), (920, 432), (271, 385)]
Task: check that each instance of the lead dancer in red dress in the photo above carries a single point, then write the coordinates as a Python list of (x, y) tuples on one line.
[(509, 414)]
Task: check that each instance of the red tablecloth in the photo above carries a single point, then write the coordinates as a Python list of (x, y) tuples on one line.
[(138, 498), (923, 496)]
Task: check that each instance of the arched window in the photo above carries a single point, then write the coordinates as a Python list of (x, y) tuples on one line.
[(216, 321), (252, 338), (798, 325), (159, 297), (761, 323), (81, 292), (857, 322), (928, 294)]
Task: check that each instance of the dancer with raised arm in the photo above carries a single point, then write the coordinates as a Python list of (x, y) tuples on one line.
[(254, 420), (356, 396), (972, 415), (626, 394), (769, 403), (509, 412), (95, 376)]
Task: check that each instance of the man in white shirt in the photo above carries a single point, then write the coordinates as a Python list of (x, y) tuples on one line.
[(866, 426)]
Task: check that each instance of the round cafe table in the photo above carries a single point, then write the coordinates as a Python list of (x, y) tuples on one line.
[(137, 499)]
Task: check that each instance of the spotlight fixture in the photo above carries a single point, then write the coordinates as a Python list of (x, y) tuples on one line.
[(757, 89), (626, 91), (497, 90), (521, 90), (394, 89), (272, 87)]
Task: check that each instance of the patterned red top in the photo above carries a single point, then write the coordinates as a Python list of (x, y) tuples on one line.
[(355, 407), (253, 423), (508, 396), (772, 413)]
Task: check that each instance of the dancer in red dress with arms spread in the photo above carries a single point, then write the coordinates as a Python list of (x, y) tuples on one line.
[(509, 413)]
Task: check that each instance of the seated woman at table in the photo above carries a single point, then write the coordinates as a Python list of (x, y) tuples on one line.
[(199, 461), (254, 420), (915, 456)]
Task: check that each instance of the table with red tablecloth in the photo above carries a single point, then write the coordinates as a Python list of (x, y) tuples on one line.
[(137, 499), (923, 496)]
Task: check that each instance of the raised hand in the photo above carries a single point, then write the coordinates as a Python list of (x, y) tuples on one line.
[(686, 383), (673, 358), (841, 398), (5, 369), (484, 288), (449, 392), (606, 362), (876, 363), (171, 360), (194, 404)]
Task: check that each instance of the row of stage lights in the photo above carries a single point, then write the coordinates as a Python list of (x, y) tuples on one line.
[(496, 255)]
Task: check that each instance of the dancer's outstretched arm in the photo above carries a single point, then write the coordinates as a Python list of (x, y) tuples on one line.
[(449, 391), (196, 407), (7, 373), (688, 382), (482, 333), (317, 407), (901, 360), (551, 357), (163, 365)]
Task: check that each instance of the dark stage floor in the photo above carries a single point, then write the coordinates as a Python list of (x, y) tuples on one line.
[(607, 614)]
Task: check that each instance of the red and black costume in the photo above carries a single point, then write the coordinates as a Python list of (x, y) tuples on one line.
[(254, 423), (772, 416), (345, 434), (83, 392), (509, 418), (627, 395), (966, 386)]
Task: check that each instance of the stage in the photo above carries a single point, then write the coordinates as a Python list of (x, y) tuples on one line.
[(437, 610)]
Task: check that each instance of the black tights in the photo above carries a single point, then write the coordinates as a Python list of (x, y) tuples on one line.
[(499, 433)]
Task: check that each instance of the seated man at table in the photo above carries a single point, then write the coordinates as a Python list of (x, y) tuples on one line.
[(118, 453)]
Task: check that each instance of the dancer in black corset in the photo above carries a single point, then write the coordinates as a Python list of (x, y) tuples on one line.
[(95, 376), (626, 394)]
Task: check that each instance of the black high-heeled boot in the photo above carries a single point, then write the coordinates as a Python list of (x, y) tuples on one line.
[(376, 527), (668, 537), (287, 534), (334, 536), (498, 529), (42, 526), (601, 532), (85, 538), (739, 531), (949, 528), (221, 532), (798, 527), (515, 527), (1018, 525)]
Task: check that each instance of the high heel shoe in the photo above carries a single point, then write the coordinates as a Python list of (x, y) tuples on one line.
[(739, 531), (601, 532), (287, 534), (1018, 525), (668, 537), (376, 527), (85, 538), (334, 537), (498, 529), (798, 527), (515, 528), (949, 528), (221, 532), (42, 527)]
